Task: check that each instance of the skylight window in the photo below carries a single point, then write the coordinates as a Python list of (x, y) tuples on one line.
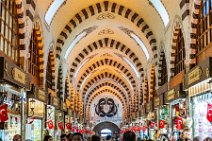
[(132, 66), (161, 10), (141, 44), (75, 41), (52, 10)]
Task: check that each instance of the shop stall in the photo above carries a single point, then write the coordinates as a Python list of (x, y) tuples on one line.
[(13, 81), (198, 83), (35, 114)]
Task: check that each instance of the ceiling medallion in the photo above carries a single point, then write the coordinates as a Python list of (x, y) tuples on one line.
[(106, 107), (106, 31), (105, 16)]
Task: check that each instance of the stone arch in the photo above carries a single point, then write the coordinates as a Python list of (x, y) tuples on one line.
[(100, 8), (103, 62), (109, 125), (162, 55), (194, 21), (176, 31), (106, 75), (108, 43)]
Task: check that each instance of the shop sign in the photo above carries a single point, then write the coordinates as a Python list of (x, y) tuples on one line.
[(12, 73), (170, 95), (156, 102), (41, 95), (194, 75), (55, 102), (19, 75)]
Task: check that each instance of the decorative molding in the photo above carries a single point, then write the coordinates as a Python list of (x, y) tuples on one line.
[(104, 16)]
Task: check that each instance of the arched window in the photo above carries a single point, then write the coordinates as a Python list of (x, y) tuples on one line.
[(49, 72), (163, 73), (204, 30), (34, 55), (9, 29), (180, 53)]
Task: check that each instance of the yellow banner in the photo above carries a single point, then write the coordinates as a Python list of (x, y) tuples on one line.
[(19, 76)]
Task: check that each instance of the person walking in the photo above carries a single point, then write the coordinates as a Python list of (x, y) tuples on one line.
[(48, 138), (129, 136)]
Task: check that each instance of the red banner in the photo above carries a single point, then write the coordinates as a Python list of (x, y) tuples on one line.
[(68, 125), (3, 113), (60, 125), (50, 124), (161, 124), (209, 112), (179, 124)]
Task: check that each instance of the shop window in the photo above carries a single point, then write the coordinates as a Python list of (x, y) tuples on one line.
[(9, 29), (49, 72), (180, 53), (164, 75), (204, 31), (34, 55)]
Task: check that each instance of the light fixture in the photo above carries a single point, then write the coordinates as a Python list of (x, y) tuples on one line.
[(49, 110), (32, 106)]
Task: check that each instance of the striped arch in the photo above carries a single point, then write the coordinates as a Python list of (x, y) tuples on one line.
[(114, 86), (37, 28), (105, 62), (146, 91), (152, 83), (184, 8), (136, 101), (21, 23), (60, 82), (108, 43), (141, 95), (194, 22), (103, 75), (176, 31), (52, 61), (102, 7), (161, 57), (93, 96)]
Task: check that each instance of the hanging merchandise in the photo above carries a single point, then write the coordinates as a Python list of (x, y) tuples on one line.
[(161, 124), (50, 124), (3, 113), (152, 124), (209, 112), (60, 125)]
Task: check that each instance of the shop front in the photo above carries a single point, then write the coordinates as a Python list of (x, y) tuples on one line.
[(199, 85), (13, 81), (35, 114), (68, 116), (178, 111)]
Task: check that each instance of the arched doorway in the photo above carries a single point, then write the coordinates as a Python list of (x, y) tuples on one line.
[(106, 128)]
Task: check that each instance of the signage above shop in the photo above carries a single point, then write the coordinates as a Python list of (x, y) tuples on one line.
[(156, 102), (199, 73), (194, 75), (11, 73), (55, 102), (37, 93)]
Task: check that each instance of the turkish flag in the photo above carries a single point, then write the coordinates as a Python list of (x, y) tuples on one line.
[(60, 125), (68, 125), (3, 113), (50, 124), (152, 124), (179, 123), (161, 124), (209, 112)]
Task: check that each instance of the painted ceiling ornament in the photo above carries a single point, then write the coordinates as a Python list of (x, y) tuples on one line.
[(106, 107), (106, 31), (105, 16)]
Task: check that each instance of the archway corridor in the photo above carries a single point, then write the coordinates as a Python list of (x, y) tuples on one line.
[(105, 67)]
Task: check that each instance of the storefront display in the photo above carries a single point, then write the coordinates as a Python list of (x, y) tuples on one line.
[(163, 119), (51, 120), (202, 114)]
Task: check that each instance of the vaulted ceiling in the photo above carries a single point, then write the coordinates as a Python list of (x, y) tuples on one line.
[(101, 43)]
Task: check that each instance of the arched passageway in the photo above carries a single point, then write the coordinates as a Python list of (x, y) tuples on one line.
[(106, 125)]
